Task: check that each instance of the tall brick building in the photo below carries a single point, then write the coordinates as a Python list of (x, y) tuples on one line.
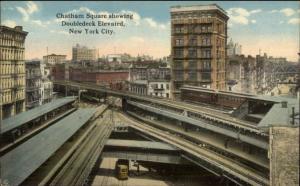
[(198, 44), (12, 71)]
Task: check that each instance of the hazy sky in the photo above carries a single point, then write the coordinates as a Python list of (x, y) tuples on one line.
[(272, 27)]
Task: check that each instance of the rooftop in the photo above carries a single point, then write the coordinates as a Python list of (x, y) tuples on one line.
[(180, 8), (22, 161), (24, 117), (280, 116)]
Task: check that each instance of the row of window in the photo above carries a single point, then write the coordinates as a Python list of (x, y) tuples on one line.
[(220, 54), (11, 54), (193, 28), (12, 36), (7, 96), (33, 84), (192, 64), (30, 73), (156, 86), (10, 82), (193, 53), (11, 43), (138, 90), (160, 94), (205, 41), (192, 75), (11, 68)]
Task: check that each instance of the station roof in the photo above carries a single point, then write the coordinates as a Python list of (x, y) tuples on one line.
[(22, 161), (140, 144), (24, 117), (280, 116)]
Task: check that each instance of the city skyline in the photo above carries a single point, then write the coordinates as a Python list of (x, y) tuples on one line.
[(255, 25)]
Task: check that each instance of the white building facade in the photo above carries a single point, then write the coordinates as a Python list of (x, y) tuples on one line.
[(54, 59), (158, 88), (46, 90)]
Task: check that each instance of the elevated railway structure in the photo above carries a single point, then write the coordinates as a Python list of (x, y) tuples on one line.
[(19, 128), (232, 141), (141, 150), (69, 147), (219, 165)]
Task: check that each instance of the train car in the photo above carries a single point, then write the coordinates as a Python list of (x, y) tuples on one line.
[(229, 101), (212, 97), (121, 169)]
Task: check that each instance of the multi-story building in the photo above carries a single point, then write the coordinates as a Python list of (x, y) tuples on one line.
[(152, 80), (270, 71), (12, 71), (241, 74), (158, 88), (233, 48), (33, 83), (198, 44), (83, 53), (46, 91), (53, 59), (149, 71)]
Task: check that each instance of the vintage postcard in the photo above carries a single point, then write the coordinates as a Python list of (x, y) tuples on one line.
[(149, 93)]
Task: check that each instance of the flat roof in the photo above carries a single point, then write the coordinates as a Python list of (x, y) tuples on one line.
[(27, 116), (140, 144), (22, 161), (180, 8), (279, 116)]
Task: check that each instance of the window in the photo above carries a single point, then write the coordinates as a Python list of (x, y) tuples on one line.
[(193, 41), (161, 86), (191, 28), (178, 64), (206, 53), (192, 64), (178, 52), (179, 42), (205, 76), (206, 41), (220, 28), (192, 52), (179, 29), (167, 86), (192, 75), (206, 65)]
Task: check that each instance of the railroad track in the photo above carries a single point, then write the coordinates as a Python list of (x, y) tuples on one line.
[(243, 173), (200, 139)]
